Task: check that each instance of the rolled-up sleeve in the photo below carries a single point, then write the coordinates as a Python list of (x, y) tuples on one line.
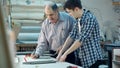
[(73, 33)]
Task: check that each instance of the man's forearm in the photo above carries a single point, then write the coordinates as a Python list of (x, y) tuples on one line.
[(67, 44), (74, 46), (39, 50)]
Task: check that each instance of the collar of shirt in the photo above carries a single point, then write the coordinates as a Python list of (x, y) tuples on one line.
[(83, 15), (60, 19)]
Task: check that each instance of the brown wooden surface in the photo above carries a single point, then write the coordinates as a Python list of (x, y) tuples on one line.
[(25, 47), (116, 3)]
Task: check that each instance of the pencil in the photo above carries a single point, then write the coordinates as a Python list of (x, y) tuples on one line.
[(25, 59)]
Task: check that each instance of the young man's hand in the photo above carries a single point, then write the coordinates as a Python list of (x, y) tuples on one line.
[(59, 55), (34, 56), (62, 58)]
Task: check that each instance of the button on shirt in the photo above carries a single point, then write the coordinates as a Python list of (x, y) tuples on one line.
[(89, 36), (53, 36)]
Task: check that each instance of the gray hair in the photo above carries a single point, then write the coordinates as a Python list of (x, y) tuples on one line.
[(53, 5)]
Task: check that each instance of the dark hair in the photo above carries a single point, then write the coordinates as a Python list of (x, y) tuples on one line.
[(54, 7), (71, 4)]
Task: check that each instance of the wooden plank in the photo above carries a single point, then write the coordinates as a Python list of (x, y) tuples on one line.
[(25, 47), (116, 3), (6, 54), (35, 2), (25, 8), (27, 16), (28, 2), (22, 9), (21, 6), (29, 22), (30, 29)]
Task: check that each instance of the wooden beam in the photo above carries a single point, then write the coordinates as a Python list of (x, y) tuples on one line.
[(116, 3), (5, 52), (27, 16), (28, 22), (25, 8)]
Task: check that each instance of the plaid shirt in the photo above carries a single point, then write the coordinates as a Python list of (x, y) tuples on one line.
[(89, 36)]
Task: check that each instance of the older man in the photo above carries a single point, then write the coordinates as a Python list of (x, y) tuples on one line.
[(55, 29)]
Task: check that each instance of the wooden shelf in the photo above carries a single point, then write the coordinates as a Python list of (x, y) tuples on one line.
[(116, 3)]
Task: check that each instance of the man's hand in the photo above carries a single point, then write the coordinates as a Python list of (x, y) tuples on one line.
[(62, 58), (58, 50), (34, 56), (58, 57)]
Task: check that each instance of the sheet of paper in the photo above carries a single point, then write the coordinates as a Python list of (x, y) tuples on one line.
[(42, 60)]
